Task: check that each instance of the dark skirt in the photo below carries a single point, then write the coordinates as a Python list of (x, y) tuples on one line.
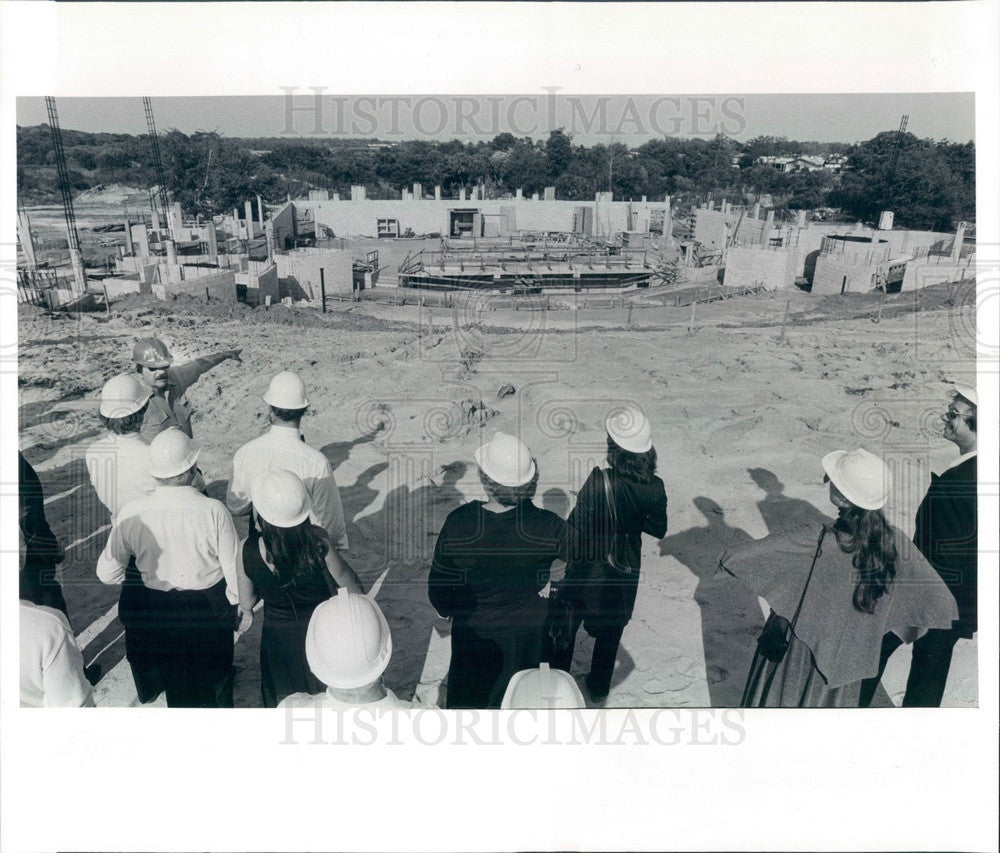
[(283, 666), (486, 651)]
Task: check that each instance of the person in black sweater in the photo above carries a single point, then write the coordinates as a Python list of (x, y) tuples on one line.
[(38, 583), (292, 566), (603, 596), (491, 561)]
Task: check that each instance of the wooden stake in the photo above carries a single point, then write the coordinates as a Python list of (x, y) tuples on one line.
[(107, 301), (694, 305), (784, 319), (878, 318)]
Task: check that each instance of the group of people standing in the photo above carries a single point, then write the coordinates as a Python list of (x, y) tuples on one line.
[(516, 581)]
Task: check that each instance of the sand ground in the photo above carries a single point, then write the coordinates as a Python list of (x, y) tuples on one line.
[(743, 409)]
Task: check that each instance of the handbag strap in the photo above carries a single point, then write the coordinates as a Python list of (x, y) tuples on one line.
[(802, 598), (610, 497)]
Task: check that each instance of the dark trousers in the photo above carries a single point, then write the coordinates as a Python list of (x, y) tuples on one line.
[(179, 643), (39, 585), (928, 669), (602, 663)]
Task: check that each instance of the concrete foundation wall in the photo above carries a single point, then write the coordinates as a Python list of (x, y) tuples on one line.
[(283, 223), (923, 272), (299, 272), (749, 266), (360, 218), (711, 227), (220, 285), (831, 270)]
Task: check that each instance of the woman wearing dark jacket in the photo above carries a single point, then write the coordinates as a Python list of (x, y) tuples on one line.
[(491, 561), (292, 567), (603, 596)]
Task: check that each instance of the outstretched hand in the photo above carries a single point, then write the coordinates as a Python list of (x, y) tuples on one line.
[(235, 355)]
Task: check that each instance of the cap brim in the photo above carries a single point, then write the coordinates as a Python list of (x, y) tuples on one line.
[(968, 393)]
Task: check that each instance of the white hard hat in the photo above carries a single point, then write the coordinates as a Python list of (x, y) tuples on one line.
[(171, 453), (348, 642), (968, 393), (542, 688), (286, 391), (123, 395), (630, 429), (280, 498), (506, 460), (862, 477)]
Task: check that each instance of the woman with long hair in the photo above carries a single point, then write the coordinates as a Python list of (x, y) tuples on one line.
[(613, 509), (834, 590), (291, 565), (491, 561)]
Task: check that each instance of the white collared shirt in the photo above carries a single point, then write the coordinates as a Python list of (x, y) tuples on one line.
[(328, 700), (119, 470), (180, 538), (51, 662), (282, 448), (961, 459)]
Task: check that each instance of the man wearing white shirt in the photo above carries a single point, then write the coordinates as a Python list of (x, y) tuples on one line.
[(118, 463), (51, 662), (179, 620), (283, 448)]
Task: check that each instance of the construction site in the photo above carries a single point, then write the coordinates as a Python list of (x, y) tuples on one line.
[(755, 341)]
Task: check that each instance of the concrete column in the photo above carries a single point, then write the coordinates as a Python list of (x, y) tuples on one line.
[(129, 245), (688, 254), (248, 211), (236, 223), (171, 251), (550, 193), (269, 234), (358, 192), (800, 219), (336, 197), (418, 191), (175, 219), (461, 194), (437, 193), (143, 234), (27, 239), (213, 242), (519, 194), (260, 212), (756, 210), (885, 220), (79, 276), (769, 219), (956, 250)]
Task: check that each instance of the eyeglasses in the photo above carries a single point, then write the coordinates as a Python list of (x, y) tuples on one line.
[(951, 414)]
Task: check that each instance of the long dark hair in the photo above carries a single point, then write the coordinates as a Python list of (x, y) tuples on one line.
[(866, 534), (637, 467), (128, 424), (296, 552)]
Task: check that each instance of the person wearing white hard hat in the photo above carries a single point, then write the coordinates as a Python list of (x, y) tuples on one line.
[(118, 463), (614, 507), (348, 647), (168, 384), (833, 591), (491, 560), (283, 447), (179, 620), (542, 688), (292, 565), (946, 534)]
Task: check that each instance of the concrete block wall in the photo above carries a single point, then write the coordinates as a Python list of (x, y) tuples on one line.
[(923, 272), (749, 266), (220, 285), (299, 272)]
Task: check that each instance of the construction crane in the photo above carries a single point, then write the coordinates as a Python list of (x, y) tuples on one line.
[(157, 161), (893, 159), (73, 238)]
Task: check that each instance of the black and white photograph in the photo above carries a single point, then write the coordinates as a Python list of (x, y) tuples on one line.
[(627, 417)]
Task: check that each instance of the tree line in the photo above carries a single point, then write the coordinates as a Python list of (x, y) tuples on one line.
[(931, 184)]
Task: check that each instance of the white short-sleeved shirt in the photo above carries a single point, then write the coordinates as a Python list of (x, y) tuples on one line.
[(325, 700), (282, 448), (180, 538), (51, 662)]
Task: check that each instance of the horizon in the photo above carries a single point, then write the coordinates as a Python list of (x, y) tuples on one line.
[(304, 115)]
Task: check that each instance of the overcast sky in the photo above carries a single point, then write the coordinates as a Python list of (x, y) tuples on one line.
[(589, 119)]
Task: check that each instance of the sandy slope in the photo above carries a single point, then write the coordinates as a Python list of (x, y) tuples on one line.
[(401, 398)]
